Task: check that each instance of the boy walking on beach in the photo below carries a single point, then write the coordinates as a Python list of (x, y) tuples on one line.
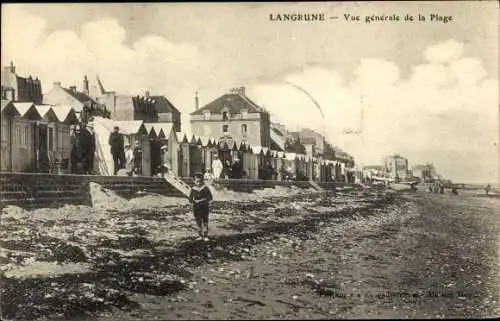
[(200, 196)]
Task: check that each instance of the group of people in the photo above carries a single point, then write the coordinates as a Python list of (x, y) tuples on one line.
[(124, 157), (226, 170), (83, 146)]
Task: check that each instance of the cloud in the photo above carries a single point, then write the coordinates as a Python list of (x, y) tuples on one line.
[(446, 104), (444, 52), (151, 63), (20, 30)]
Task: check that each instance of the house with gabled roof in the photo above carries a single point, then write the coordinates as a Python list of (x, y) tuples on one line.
[(70, 96), (148, 108), (235, 117), (21, 89), (166, 111)]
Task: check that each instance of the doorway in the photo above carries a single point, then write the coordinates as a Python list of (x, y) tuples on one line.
[(41, 150)]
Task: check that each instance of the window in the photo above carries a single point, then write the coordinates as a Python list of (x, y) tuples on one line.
[(51, 138), (244, 129), (60, 138), (206, 115), (244, 114), (27, 132), (4, 129), (225, 128), (225, 115)]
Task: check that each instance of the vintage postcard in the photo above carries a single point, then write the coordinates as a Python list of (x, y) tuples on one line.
[(299, 160)]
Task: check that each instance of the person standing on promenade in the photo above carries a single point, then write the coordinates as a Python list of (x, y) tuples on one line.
[(200, 196), (117, 149), (137, 158), (217, 167), (129, 159)]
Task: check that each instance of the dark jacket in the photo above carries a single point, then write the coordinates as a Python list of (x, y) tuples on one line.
[(197, 194), (116, 142)]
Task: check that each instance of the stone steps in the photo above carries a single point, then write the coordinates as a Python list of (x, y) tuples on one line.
[(46, 190)]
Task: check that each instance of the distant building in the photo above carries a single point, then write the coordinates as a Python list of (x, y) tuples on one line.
[(147, 108), (310, 146), (310, 137), (396, 166), (126, 107), (424, 172), (69, 96), (315, 144), (233, 116), (20, 89), (167, 112)]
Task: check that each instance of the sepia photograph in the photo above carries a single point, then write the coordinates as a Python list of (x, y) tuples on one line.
[(250, 160)]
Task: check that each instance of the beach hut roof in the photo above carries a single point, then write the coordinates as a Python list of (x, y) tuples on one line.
[(186, 137), (152, 133), (256, 150), (161, 134), (130, 127), (47, 112), (205, 141), (8, 108), (6, 103), (244, 146), (165, 126), (148, 126), (42, 109), (223, 145), (27, 110), (65, 113)]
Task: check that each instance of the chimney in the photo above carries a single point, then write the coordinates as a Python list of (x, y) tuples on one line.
[(146, 94), (72, 88), (85, 85), (240, 91), (57, 84), (196, 101)]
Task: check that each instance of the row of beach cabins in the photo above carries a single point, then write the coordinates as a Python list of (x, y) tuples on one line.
[(38, 138)]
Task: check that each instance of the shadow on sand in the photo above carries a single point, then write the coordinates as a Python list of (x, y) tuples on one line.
[(115, 278)]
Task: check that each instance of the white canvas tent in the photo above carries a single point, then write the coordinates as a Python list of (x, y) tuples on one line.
[(103, 127)]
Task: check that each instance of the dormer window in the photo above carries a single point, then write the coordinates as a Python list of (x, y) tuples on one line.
[(206, 115), (244, 114)]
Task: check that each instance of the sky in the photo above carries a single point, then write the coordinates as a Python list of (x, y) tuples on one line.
[(427, 90)]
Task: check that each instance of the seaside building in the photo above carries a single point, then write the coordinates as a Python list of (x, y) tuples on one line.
[(233, 116), (20, 89), (424, 172), (396, 166)]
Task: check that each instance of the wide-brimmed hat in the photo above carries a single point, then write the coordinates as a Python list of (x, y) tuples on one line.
[(163, 147)]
